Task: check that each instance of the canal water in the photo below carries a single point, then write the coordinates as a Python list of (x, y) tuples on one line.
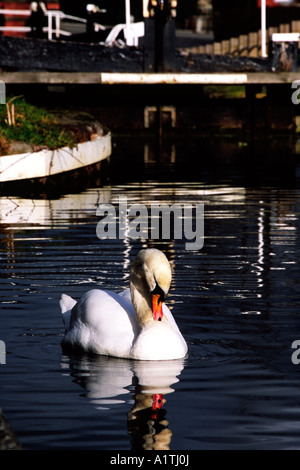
[(236, 301)]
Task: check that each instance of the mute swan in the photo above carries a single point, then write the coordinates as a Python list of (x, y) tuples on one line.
[(135, 324)]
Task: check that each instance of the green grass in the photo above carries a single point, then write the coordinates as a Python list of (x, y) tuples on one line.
[(33, 125), (225, 91)]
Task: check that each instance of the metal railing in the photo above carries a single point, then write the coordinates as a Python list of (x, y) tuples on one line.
[(55, 15), (132, 31)]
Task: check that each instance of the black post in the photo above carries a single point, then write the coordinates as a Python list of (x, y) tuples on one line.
[(149, 49), (37, 19), (159, 44)]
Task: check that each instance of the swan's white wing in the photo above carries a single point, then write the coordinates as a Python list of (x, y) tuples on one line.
[(102, 322), (66, 304), (125, 294)]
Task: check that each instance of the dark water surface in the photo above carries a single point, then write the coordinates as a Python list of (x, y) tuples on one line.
[(236, 302)]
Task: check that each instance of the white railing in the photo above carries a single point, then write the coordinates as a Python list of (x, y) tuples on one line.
[(57, 15), (132, 31)]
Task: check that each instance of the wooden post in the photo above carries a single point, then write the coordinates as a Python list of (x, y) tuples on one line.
[(243, 45), (234, 46), (253, 44), (284, 28), (272, 30), (225, 46), (295, 26), (261, 47), (217, 48), (208, 49)]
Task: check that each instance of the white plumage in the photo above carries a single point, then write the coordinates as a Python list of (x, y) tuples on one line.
[(135, 324)]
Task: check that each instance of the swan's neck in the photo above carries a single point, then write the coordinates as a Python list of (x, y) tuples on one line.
[(142, 304)]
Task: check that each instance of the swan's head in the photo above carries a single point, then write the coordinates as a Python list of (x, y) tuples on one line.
[(150, 280)]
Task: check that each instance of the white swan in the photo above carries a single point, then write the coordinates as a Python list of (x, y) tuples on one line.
[(135, 324)]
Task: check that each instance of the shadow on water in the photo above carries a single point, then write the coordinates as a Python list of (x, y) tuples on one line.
[(222, 160), (56, 186), (227, 160)]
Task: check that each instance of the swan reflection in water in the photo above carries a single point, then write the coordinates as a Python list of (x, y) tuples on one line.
[(110, 381)]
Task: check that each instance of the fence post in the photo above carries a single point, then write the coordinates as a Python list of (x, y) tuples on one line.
[(243, 45), (253, 45), (234, 46)]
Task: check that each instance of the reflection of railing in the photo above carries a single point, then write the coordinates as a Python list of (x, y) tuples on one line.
[(55, 15)]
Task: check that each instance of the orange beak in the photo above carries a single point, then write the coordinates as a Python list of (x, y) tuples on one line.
[(157, 307)]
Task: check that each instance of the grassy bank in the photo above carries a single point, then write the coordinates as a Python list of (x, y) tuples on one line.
[(20, 121)]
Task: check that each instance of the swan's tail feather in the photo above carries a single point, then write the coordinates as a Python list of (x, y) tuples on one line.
[(66, 304)]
